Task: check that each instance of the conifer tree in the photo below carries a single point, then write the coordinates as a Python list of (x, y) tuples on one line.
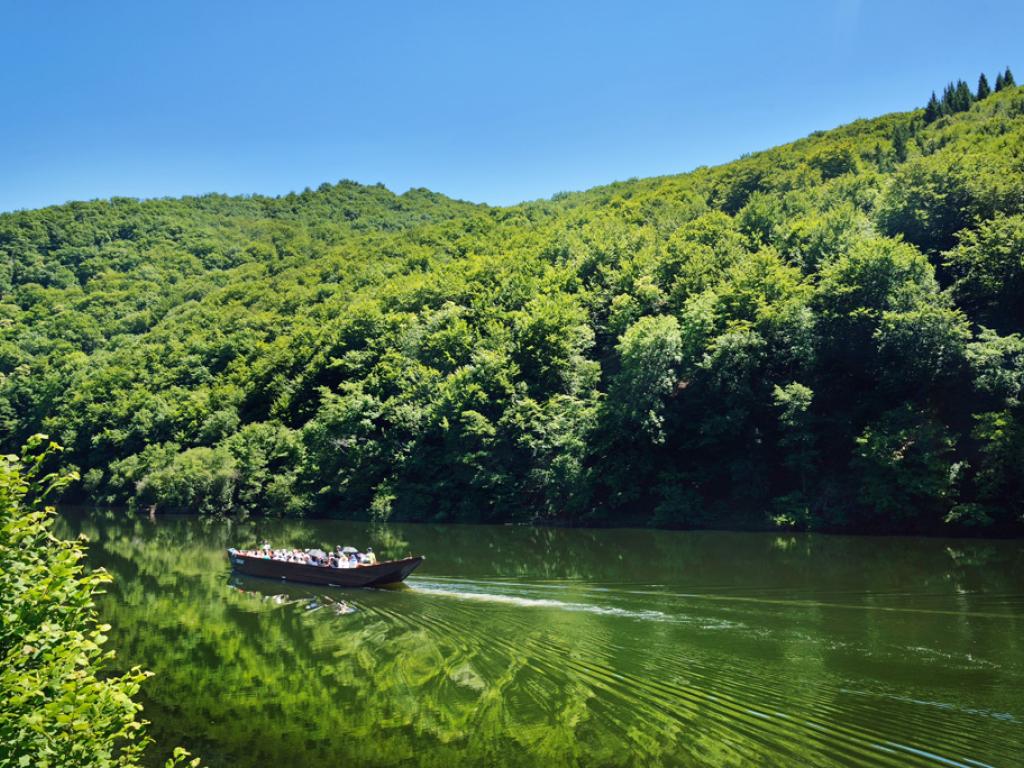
[(1008, 81), (948, 99), (899, 144), (999, 82), (878, 156), (983, 89), (963, 97), (933, 111)]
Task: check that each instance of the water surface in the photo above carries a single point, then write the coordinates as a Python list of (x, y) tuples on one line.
[(523, 646)]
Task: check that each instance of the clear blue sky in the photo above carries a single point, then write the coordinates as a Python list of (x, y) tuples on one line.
[(151, 99)]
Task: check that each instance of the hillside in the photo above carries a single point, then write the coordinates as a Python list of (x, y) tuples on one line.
[(823, 335)]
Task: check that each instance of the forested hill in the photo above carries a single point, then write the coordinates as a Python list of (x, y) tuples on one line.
[(823, 335)]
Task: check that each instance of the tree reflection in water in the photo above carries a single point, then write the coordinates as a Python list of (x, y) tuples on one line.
[(524, 646)]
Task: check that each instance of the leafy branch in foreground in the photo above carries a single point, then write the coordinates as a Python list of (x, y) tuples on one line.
[(58, 707)]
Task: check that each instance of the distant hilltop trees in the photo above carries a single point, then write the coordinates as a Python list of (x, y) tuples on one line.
[(957, 97)]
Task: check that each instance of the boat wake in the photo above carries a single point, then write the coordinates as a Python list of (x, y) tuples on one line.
[(462, 590)]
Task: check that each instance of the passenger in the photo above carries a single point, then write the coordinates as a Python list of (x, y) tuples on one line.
[(353, 561), (371, 559)]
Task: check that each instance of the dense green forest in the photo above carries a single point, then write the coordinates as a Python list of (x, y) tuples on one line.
[(823, 335)]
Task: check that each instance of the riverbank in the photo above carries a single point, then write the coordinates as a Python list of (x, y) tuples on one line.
[(767, 526)]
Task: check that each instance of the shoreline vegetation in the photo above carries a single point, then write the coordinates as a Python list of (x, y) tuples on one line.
[(60, 703), (822, 336)]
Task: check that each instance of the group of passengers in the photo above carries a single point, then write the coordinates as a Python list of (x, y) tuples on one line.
[(341, 557)]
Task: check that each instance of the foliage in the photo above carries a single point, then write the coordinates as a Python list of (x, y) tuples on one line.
[(59, 704), (727, 347), (987, 266), (648, 352)]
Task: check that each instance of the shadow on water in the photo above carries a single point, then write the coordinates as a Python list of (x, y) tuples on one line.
[(521, 646)]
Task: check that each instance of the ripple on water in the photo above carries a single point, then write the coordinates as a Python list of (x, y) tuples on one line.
[(717, 650), (699, 699)]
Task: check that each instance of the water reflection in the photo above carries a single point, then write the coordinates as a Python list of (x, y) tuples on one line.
[(521, 646), (290, 594)]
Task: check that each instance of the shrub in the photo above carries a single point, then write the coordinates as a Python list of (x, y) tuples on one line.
[(59, 706)]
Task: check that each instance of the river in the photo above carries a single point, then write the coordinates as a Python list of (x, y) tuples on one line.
[(559, 647)]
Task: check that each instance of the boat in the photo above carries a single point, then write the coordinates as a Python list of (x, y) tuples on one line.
[(387, 572)]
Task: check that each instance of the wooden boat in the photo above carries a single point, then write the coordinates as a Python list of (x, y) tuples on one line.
[(388, 572)]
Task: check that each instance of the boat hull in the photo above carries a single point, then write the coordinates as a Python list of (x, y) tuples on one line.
[(390, 572)]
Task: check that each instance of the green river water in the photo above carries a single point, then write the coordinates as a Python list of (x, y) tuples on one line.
[(558, 647)]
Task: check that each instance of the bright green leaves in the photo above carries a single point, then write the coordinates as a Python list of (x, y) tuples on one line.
[(835, 159), (874, 276), (987, 265), (649, 353), (551, 340), (931, 199), (698, 255), (58, 705)]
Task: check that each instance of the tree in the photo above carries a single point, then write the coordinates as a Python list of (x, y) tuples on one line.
[(899, 139), (933, 111), (649, 352), (989, 272), (949, 99), (983, 88), (922, 350), (1008, 81), (999, 82), (998, 478), (932, 198), (905, 469), (962, 97), (198, 479), (956, 97), (834, 160), (797, 438)]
